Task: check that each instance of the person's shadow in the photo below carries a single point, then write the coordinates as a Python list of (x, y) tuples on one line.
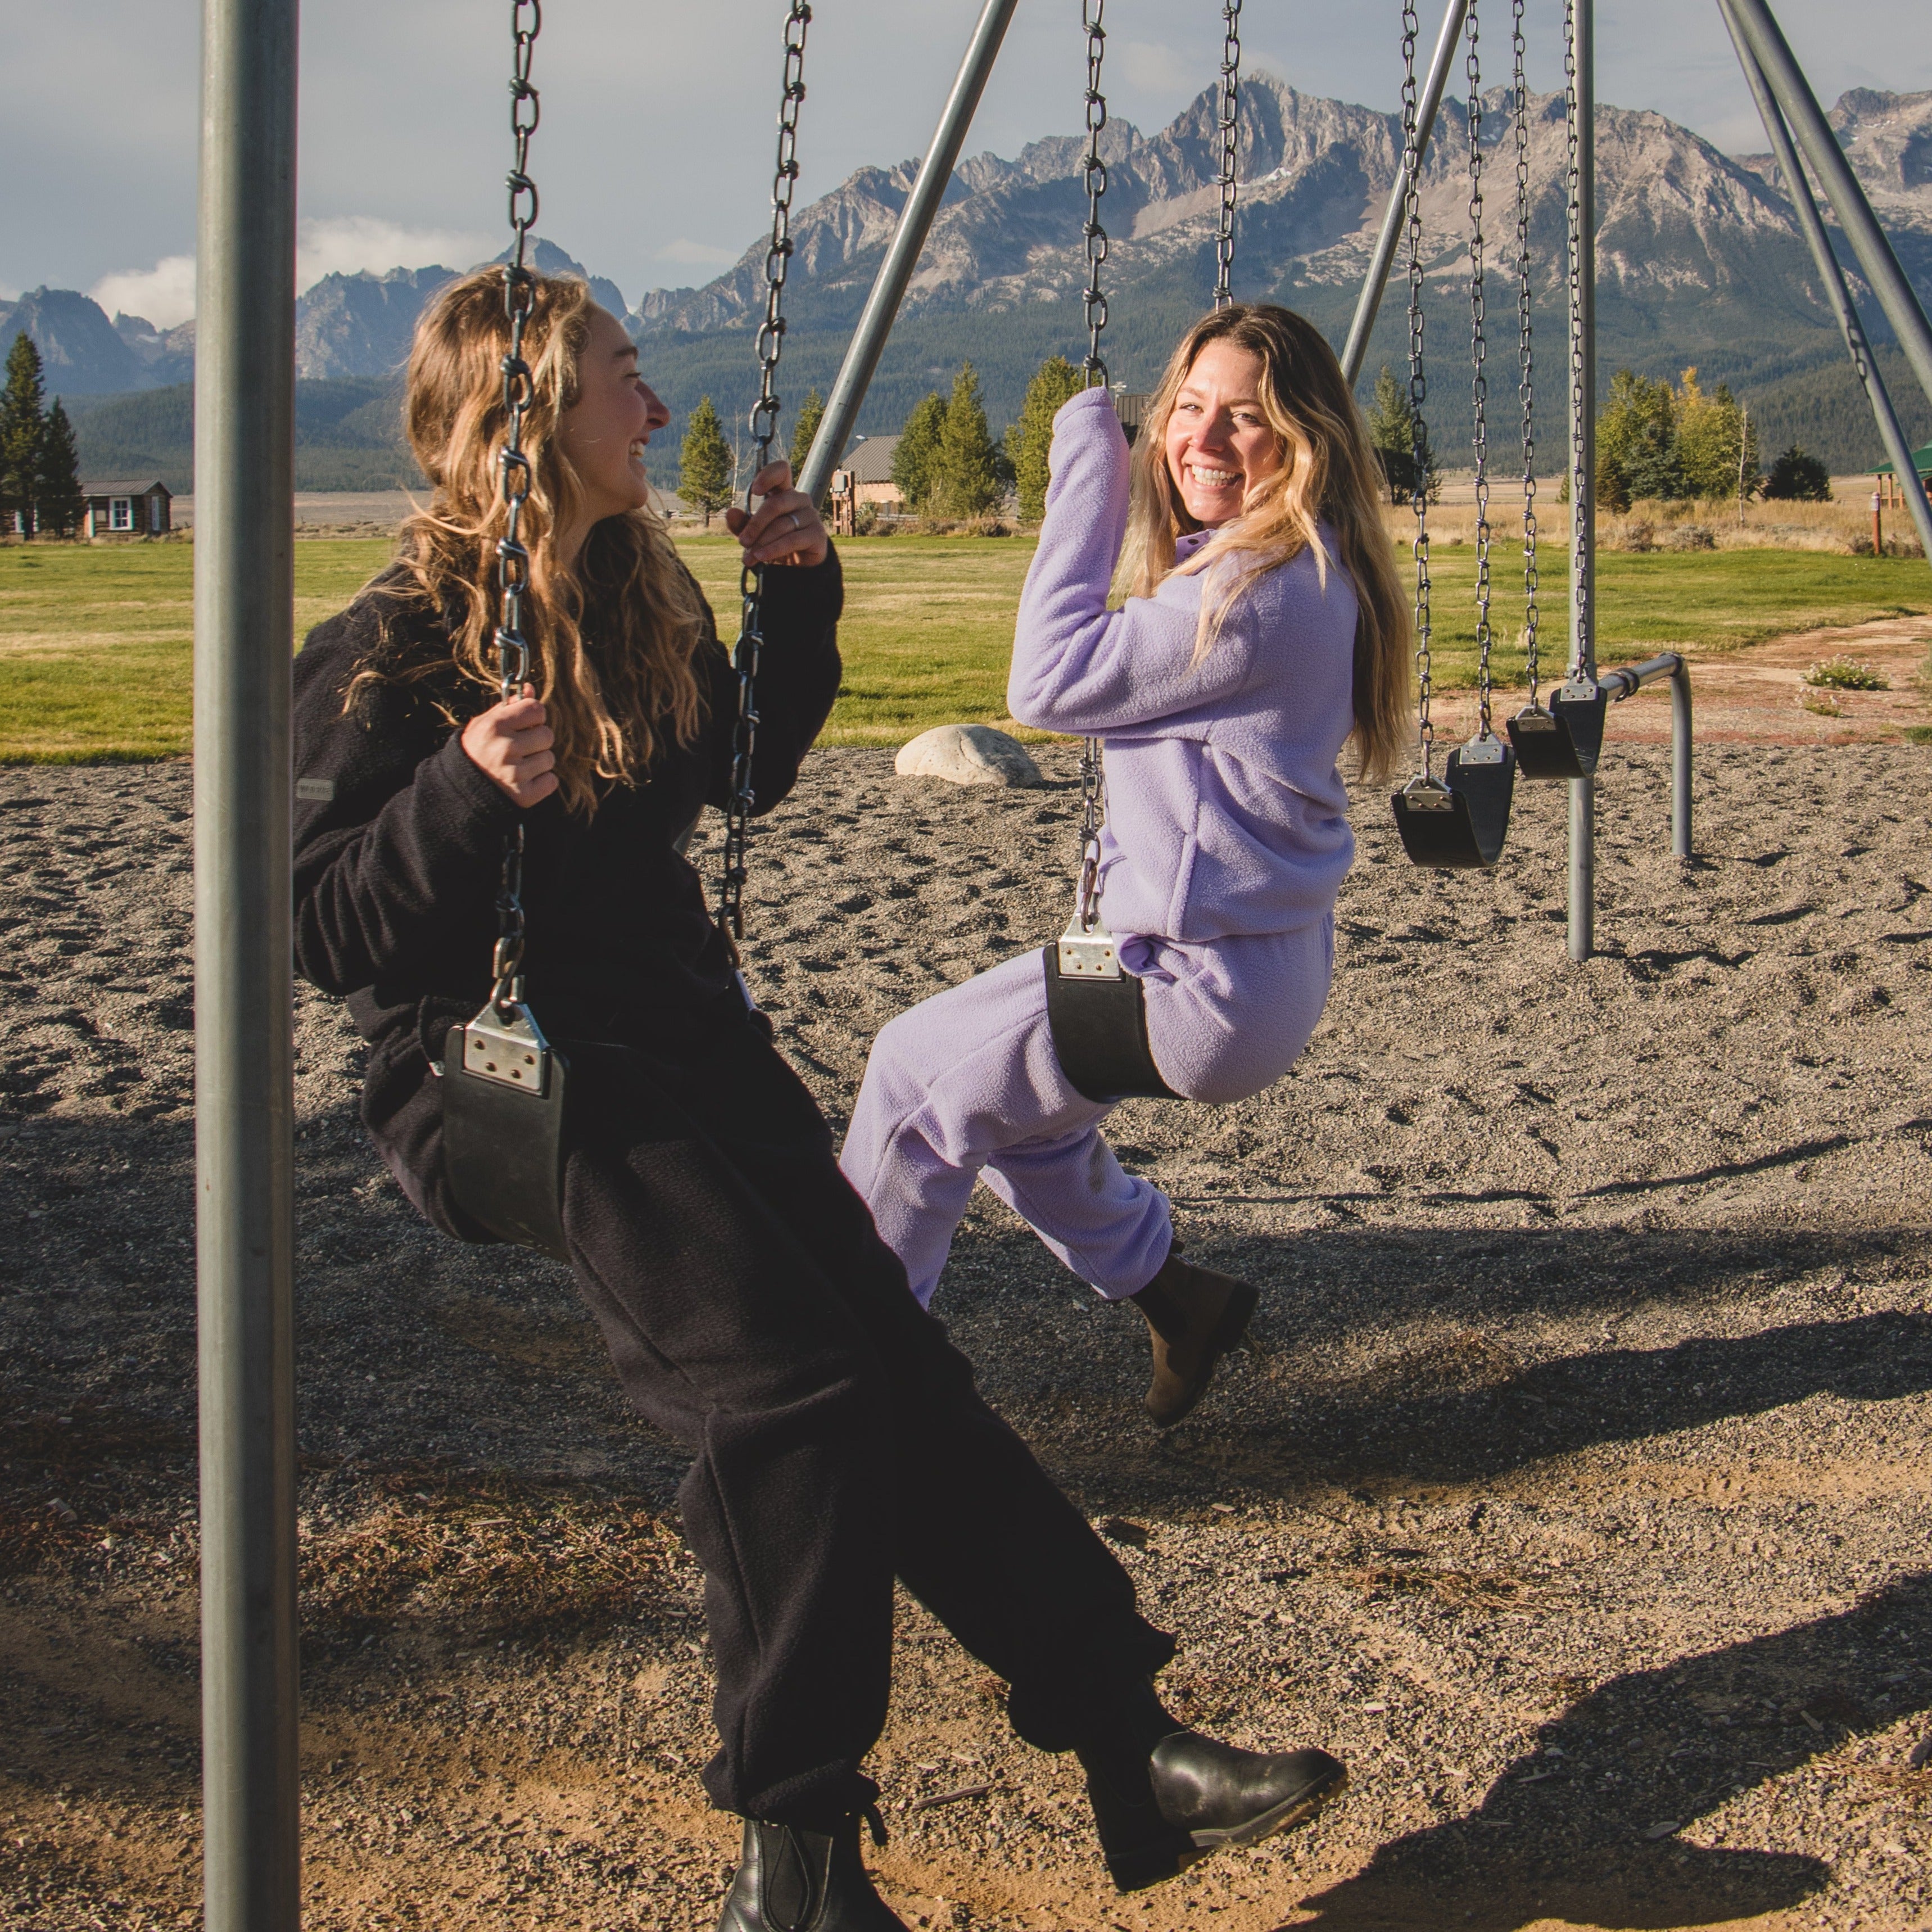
[(1587, 1828)]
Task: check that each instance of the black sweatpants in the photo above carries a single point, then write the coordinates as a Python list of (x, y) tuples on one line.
[(754, 1314)]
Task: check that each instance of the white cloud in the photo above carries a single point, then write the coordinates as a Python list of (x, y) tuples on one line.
[(163, 294), (345, 244), (697, 254), (338, 244)]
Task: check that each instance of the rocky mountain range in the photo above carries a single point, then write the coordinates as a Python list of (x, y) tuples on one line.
[(1700, 261)]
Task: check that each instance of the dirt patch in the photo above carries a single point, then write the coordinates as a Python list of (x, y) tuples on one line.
[(1574, 1488), (1758, 695)]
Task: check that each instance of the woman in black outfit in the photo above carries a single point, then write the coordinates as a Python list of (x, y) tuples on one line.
[(751, 1310)]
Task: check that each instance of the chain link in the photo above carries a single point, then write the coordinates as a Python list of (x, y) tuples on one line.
[(764, 425), (1526, 360), (1091, 12), (1580, 485), (1479, 380), (1230, 131), (513, 559), (1418, 382), (1092, 15)]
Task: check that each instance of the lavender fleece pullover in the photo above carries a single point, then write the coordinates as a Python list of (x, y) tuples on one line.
[(1226, 814)]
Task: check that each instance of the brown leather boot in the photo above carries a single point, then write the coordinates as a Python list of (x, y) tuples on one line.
[(1196, 1315)]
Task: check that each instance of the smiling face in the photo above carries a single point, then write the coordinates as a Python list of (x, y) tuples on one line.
[(605, 432), (1219, 445)]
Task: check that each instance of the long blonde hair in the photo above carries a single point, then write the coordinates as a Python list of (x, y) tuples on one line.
[(1329, 472), (611, 697)]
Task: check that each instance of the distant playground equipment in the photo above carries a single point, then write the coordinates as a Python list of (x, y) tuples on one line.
[(245, 646), (1462, 819)]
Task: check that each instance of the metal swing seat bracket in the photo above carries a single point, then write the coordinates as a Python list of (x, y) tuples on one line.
[(503, 1094)]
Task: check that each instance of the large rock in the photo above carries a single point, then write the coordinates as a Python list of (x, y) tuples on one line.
[(967, 754)]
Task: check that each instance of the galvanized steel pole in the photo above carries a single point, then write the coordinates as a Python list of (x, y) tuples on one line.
[(1831, 280), (888, 285), (1848, 201), (243, 639), (1680, 760), (1583, 476), (1368, 304)]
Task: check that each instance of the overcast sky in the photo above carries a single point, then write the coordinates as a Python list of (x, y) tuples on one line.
[(654, 154)]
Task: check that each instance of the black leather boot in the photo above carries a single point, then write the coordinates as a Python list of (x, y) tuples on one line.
[(790, 1879), (1196, 1315), (1159, 1813)]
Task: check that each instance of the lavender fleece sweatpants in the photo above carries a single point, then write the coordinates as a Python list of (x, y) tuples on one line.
[(964, 1086)]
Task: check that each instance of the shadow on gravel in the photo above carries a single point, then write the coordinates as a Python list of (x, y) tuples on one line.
[(1586, 1828), (1395, 1429)]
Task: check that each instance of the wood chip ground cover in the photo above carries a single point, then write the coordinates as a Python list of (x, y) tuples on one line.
[(1574, 1489)]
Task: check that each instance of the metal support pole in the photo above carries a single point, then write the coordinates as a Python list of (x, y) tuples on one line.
[(1583, 474), (888, 285), (1831, 280), (1626, 681), (1848, 201), (1369, 302), (1680, 759), (245, 1054)]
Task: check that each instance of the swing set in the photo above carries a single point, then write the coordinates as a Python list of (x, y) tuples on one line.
[(505, 1083)]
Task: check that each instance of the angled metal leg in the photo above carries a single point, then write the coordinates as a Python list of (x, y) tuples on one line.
[(888, 285), (1831, 279), (1848, 201), (1369, 302)]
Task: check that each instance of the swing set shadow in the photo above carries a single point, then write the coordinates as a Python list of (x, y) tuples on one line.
[(1453, 1405), (1595, 1824)]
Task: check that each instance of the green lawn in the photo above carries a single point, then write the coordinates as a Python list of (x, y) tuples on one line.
[(94, 641)]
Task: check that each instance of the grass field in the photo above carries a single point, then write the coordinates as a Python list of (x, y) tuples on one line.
[(95, 642)]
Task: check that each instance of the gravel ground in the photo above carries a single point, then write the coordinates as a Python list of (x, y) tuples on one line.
[(1574, 1488)]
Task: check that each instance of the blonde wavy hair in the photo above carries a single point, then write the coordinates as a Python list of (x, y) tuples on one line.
[(1329, 473), (612, 634)]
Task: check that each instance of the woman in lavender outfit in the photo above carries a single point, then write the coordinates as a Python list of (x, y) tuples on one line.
[(1262, 629)]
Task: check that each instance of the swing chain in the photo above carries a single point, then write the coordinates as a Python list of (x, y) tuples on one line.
[(1418, 382), (1091, 12), (1479, 382), (1580, 485), (1525, 358), (513, 559), (1230, 131), (1092, 780), (764, 426)]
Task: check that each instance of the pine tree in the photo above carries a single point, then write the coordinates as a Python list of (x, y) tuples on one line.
[(22, 426), (916, 457), (811, 414), (1796, 477), (1392, 432), (967, 481), (60, 504), (1030, 438), (704, 463)]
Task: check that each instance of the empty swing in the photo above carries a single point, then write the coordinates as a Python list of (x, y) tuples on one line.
[(504, 1083), (1095, 1009), (1461, 819), (1566, 739)]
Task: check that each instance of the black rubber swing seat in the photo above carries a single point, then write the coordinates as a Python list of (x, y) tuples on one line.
[(1565, 741), (1098, 1025), (1461, 820)]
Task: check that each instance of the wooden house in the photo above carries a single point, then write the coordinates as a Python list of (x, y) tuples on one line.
[(119, 506)]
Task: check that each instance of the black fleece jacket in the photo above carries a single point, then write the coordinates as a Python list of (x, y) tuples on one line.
[(399, 842)]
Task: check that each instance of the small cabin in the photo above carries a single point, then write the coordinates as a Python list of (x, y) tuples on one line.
[(127, 507)]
